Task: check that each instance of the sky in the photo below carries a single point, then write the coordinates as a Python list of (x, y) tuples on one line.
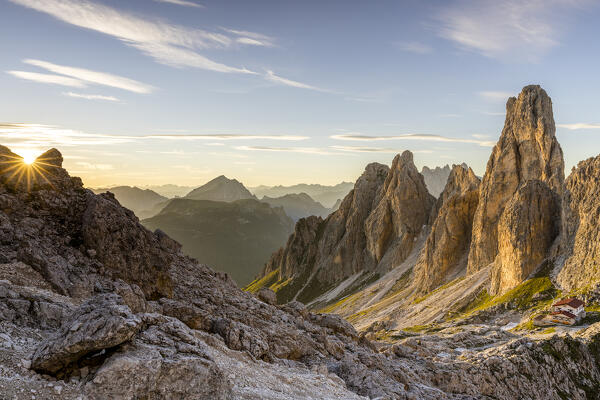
[(142, 92)]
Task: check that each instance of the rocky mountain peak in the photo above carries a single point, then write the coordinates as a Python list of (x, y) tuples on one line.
[(527, 150), (375, 228), (221, 188), (402, 208), (51, 157)]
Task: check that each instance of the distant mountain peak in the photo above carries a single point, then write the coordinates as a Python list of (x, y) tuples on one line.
[(221, 188)]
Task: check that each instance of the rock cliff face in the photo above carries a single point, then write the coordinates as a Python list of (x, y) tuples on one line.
[(300, 250), (526, 230), (445, 253), (527, 150), (375, 228), (582, 265), (402, 209)]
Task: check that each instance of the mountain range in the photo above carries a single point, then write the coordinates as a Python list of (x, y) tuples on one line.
[(438, 295), (392, 257), (326, 195), (297, 206)]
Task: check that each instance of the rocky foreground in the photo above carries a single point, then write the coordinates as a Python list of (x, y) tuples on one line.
[(94, 306)]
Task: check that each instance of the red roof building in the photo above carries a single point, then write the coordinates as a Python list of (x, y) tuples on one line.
[(570, 301)]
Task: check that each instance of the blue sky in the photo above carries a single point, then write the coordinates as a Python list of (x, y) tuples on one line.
[(280, 92)]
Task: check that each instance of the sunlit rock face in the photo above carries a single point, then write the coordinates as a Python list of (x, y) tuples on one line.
[(527, 150), (582, 265), (445, 253), (527, 229)]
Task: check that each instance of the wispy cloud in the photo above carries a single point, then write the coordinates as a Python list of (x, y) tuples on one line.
[(224, 136), (414, 47), (579, 125), (169, 44), (251, 38), (515, 29), (495, 95), (37, 135), (48, 78), (181, 3), (91, 96), (412, 136), (93, 77), (358, 149), (305, 150), (270, 76)]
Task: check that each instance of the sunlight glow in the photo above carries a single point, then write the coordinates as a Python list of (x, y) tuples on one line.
[(29, 154), (28, 159), (27, 169)]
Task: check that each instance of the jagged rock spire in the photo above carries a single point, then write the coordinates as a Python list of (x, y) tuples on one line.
[(527, 150)]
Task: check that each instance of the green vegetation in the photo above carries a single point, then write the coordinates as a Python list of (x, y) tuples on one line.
[(428, 328), (548, 331), (265, 281), (525, 326), (519, 297)]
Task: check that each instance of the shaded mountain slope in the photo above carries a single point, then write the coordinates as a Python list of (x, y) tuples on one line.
[(236, 237), (297, 206), (143, 202)]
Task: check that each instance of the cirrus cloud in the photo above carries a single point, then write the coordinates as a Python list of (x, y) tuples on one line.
[(412, 136)]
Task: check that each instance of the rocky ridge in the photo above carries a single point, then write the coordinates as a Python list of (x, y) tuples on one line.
[(444, 256), (582, 207), (374, 229)]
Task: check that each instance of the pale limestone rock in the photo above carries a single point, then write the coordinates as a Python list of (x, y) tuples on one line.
[(526, 230), (582, 265), (527, 150)]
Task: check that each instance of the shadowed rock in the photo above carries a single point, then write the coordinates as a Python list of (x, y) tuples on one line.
[(101, 323)]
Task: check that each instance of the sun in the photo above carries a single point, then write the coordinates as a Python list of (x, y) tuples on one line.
[(28, 159), (29, 156)]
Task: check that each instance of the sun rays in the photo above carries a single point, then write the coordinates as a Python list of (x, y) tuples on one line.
[(27, 170)]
